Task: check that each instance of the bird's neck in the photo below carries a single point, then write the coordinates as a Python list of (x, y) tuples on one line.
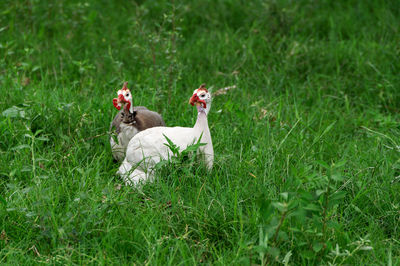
[(202, 132), (201, 122), (128, 108)]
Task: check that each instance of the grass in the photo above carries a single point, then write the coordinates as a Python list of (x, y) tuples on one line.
[(306, 147)]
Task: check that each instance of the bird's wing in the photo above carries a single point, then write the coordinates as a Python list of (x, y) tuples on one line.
[(150, 143), (116, 122)]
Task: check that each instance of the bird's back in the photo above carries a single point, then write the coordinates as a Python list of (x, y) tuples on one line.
[(150, 143)]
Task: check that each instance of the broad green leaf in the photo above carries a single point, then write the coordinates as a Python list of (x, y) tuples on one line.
[(20, 147), (333, 224), (43, 138), (366, 248), (293, 204), (26, 190), (261, 249), (323, 164), (308, 196), (26, 168), (284, 195), (340, 164), (282, 207), (30, 214), (38, 132), (308, 254), (312, 207), (14, 112), (337, 177), (300, 214), (319, 192), (317, 246)]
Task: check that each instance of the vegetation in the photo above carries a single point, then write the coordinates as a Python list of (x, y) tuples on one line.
[(307, 145)]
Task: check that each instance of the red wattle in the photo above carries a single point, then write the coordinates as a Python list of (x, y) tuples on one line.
[(203, 102), (195, 99), (115, 103)]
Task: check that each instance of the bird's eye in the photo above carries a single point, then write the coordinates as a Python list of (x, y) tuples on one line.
[(203, 95), (127, 95)]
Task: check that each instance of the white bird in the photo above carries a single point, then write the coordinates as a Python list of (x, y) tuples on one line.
[(129, 121), (148, 147)]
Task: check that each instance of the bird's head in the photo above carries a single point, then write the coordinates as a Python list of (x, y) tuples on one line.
[(201, 97), (124, 98)]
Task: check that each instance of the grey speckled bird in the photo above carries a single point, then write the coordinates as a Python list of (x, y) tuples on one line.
[(129, 121)]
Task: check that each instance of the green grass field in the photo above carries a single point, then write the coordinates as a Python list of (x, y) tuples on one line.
[(307, 167)]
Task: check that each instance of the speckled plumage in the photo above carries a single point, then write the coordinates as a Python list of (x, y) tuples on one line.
[(126, 125)]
